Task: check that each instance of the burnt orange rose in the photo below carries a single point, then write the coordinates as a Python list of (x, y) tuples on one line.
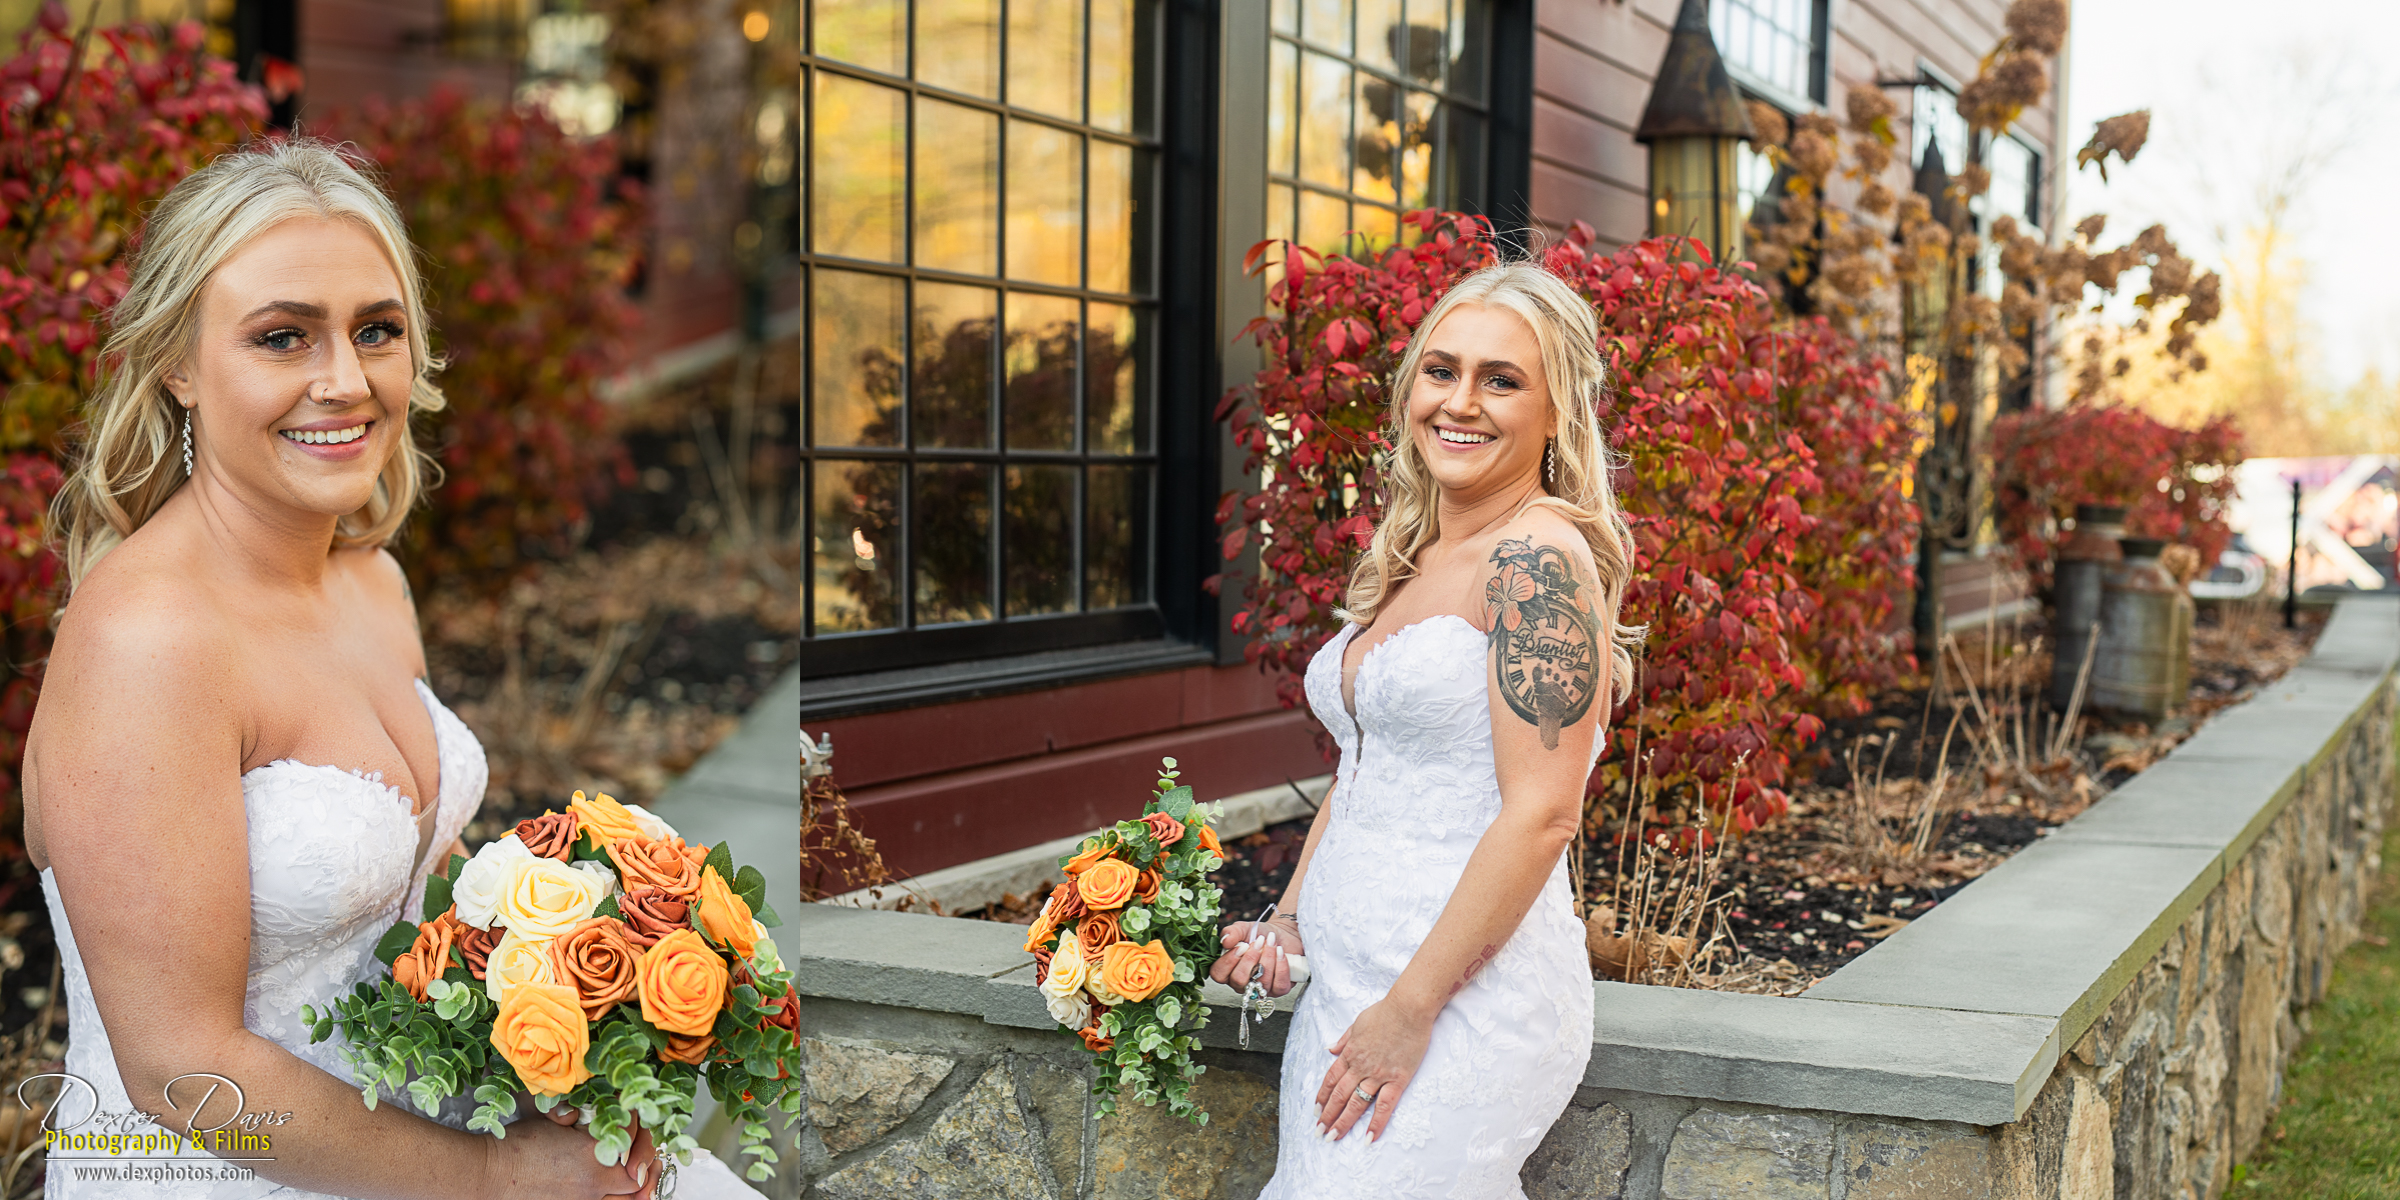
[(1145, 887), (1208, 842), (598, 962), (1167, 830), (725, 917), (1041, 966), (475, 945), (540, 1030), (1094, 850), (1108, 884), (681, 982), (670, 865), (693, 1050), (1098, 932), (1137, 972), (550, 835), (1096, 1041), (1066, 904), (651, 913), (426, 960)]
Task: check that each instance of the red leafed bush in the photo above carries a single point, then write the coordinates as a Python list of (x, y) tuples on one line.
[(1763, 488), (529, 237), (94, 125), (2175, 483)]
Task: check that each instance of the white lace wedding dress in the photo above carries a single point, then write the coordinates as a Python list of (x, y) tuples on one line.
[(330, 869), (1416, 791)]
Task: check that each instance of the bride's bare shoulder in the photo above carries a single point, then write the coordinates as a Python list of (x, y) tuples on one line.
[(140, 619)]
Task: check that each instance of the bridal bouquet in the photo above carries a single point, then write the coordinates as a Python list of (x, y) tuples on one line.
[(590, 957), (1118, 947)]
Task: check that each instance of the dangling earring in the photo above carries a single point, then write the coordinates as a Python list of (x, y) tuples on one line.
[(187, 443), (1550, 461)]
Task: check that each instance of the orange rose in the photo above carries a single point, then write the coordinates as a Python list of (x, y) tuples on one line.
[(1167, 830), (1145, 888), (429, 957), (1041, 966), (693, 1050), (603, 818), (475, 945), (598, 962), (1066, 904), (1137, 972), (1099, 932), (1094, 850), (681, 982), (550, 835), (670, 866), (1038, 935), (1097, 1042), (651, 914), (541, 1031), (1108, 884), (1208, 842), (724, 916)]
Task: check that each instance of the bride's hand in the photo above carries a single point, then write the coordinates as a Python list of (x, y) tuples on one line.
[(554, 1159), (1380, 1052), (1234, 968), (641, 1160)]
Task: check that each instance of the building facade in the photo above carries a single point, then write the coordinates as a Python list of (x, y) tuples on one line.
[(1023, 225)]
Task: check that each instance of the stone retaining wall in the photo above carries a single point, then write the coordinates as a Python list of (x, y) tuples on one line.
[(2105, 1015)]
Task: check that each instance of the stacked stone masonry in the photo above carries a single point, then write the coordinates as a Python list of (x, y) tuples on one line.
[(2201, 909)]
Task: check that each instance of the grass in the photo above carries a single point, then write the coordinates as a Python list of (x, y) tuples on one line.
[(2337, 1136)]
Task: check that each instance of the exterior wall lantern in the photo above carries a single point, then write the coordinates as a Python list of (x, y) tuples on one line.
[(1691, 124)]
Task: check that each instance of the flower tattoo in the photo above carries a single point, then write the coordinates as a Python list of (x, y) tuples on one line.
[(1545, 636)]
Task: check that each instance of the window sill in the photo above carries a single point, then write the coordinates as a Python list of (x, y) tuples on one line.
[(914, 687)]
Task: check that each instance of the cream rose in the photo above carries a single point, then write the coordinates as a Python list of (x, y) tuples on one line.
[(1067, 969), (519, 959), (1070, 1010), (652, 828), (486, 878), (601, 872), (546, 898)]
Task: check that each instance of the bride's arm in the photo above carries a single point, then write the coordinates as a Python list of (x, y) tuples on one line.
[(1541, 748), (140, 738), (1239, 958)]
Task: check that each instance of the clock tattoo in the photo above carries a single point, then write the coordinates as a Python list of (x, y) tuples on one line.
[(1545, 636)]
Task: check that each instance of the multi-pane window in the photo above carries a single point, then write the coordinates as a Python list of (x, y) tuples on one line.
[(978, 243), (1375, 107), (1934, 121), (1777, 42)]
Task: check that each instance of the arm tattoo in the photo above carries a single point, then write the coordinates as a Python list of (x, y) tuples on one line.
[(1545, 636), (1474, 968)]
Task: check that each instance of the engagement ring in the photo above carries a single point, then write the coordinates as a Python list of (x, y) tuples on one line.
[(1362, 1093)]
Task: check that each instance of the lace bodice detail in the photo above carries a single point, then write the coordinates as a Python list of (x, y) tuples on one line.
[(1416, 791), (332, 865)]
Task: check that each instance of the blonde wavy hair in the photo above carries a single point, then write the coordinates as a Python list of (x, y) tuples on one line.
[(130, 458), (1578, 487)]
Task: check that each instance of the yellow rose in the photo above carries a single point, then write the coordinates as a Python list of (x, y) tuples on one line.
[(517, 960), (682, 983), (604, 819), (1108, 884), (724, 916), (547, 898), (540, 1030), (1067, 969), (1137, 972)]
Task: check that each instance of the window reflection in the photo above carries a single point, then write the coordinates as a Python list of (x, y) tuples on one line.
[(957, 187), (1043, 335), (1114, 47), (953, 513), (1045, 68), (958, 45), (1045, 204), (1115, 383), (856, 358), (952, 389), (870, 33), (859, 170), (1041, 540), (854, 510), (1116, 551)]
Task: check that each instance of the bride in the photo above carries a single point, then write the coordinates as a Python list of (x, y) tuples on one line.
[(237, 778), (1450, 1018)]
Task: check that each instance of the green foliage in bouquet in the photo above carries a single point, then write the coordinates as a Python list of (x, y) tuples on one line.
[(443, 1046), (1167, 933)]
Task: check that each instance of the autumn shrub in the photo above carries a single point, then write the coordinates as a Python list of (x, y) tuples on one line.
[(2175, 483), (529, 236), (1763, 485), (95, 125)]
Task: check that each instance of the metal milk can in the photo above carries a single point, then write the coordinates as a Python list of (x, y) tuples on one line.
[(2143, 631), (2087, 554)]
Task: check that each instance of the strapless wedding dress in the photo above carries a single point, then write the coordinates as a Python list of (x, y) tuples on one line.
[(331, 868), (1416, 790)]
